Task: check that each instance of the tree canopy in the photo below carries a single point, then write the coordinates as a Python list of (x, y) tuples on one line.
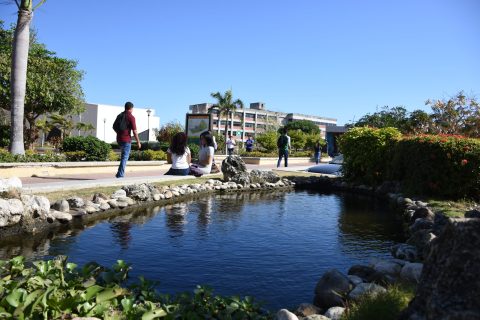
[(53, 83), (306, 126)]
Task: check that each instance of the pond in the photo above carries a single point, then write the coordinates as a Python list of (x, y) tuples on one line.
[(273, 246)]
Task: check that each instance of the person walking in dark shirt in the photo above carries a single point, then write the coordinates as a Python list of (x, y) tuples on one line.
[(123, 126), (318, 152)]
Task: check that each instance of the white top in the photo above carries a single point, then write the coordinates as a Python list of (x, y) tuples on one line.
[(203, 154), (230, 144), (215, 146), (180, 161)]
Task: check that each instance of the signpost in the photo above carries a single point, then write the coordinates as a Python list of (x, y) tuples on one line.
[(195, 124)]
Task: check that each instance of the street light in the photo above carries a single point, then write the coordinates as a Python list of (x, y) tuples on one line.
[(148, 124), (104, 125)]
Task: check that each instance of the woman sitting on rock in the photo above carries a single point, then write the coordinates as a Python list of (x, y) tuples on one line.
[(205, 156), (179, 155)]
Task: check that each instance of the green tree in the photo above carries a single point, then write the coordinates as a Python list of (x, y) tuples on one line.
[(298, 139), (418, 122), (457, 115), (312, 139), (168, 130), (395, 117), (225, 106), (305, 126), (85, 127), (53, 85), (19, 58), (268, 140)]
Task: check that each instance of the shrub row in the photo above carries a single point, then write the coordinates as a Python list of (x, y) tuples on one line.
[(7, 157), (297, 154), (93, 148), (441, 165), (57, 289)]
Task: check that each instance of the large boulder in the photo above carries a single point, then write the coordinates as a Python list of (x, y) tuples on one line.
[(232, 166), (61, 205), (11, 212), (10, 184), (335, 313), (421, 240), (330, 289), (422, 212), (242, 178), (36, 206), (263, 176), (450, 283), (405, 252), (284, 314), (362, 289), (307, 309), (141, 192), (76, 202), (411, 272)]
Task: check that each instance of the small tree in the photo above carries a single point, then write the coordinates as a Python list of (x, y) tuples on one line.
[(305, 126), (268, 140), (168, 130), (298, 139)]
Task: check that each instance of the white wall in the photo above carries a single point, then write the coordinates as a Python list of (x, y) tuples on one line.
[(102, 116)]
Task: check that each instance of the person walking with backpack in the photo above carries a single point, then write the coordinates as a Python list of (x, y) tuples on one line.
[(124, 124), (283, 144)]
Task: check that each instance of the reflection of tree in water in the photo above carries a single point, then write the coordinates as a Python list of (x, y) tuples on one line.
[(121, 232), (365, 224)]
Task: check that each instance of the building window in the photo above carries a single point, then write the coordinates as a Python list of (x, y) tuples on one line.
[(237, 124), (250, 115), (249, 125)]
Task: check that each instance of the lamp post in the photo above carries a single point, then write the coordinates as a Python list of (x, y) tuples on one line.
[(104, 124), (148, 124)]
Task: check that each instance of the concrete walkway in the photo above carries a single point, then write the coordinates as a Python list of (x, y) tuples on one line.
[(94, 180)]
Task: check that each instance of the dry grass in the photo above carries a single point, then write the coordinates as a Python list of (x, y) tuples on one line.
[(454, 209)]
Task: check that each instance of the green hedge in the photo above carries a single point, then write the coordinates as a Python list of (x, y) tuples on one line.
[(147, 155), (433, 165), (259, 154), (57, 289), (94, 148), (447, 166), (366, 153), (7, 157)]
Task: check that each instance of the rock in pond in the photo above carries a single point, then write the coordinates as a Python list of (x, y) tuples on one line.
[(474, 213), (61, 216), (36, 206), (76, 202), (335, 313), (119, 194), (264, 176), (284, 314), (405, 252), (232, 166), (10, 184), (411, 272), (11, 212), (307, 309), (365, 288), (61, 205), (330, 288)]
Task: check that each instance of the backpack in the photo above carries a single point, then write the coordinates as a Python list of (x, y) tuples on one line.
[(282, 142), (120, 123)]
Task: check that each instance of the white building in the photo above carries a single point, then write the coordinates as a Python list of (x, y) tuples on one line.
[(102, 116)]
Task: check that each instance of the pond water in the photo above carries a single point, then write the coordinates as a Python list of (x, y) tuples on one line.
[(274, 246)]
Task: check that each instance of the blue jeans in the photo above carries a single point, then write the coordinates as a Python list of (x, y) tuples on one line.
[(230, 151), (125, 148), (178, 172), (281, 154), (317, 156)]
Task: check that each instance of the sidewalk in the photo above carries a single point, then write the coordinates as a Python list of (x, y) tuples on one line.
[(94, 180)]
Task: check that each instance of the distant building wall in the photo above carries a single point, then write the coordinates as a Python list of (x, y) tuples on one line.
[(102, 116)]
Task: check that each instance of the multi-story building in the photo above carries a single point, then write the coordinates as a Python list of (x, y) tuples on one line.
[(256, 119)]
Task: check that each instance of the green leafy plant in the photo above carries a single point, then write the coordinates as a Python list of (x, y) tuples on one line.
[(30, 156), (194, 150), (94, 148), (267, 140), (57, 289), (148, 155)]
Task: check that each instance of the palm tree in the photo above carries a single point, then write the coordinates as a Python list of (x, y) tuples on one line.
[(85, 127), (225, 107), (21, 44)]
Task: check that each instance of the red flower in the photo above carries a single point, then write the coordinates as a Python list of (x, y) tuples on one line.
[(464, 162)]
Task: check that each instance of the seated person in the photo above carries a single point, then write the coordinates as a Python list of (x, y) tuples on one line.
[(205, 156), (179, 155)]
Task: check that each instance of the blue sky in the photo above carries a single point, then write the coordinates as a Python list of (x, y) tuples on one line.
[(339, 59)]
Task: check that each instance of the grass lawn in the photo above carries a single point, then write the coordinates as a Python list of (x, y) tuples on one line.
[(453, 209)]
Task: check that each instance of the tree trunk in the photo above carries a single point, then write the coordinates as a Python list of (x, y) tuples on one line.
[(21, 43), (226, 133)]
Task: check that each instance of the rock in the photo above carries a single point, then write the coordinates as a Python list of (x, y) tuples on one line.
[(242, 178), (263, 176), (421, 223), (474, 213), (387, 267), (363, 272), (99, 197), (232, 166), (122, 204), (61, 216), (104, 206), (76, 202), (10, 184), (78, 212), (176, 193), (421, 204), (140, 192), (450, 282), (11, 212), (128, 200), (91, 209), (36, 206), (354, 280), (61, 205), (439, 222), (284, 314), (113, 203), (411, 272), (330, 288), (307, 309), (335, 313), (424, 213), (168, 195), (156, 197), (316, 317), (405, 252), (119, 194), (365, 288), (421, 240)]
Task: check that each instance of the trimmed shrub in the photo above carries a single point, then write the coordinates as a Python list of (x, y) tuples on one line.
[(113, 156), (94, 148), (75, 155), (147, 155), (443, 165), (366, 152), (4, 135), (194, 150), (30, 156), (268, 140)]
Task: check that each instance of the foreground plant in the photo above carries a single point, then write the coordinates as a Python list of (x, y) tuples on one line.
[(57, 289)]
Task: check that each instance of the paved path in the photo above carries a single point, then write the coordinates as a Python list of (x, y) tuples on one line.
[(89, 180)]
